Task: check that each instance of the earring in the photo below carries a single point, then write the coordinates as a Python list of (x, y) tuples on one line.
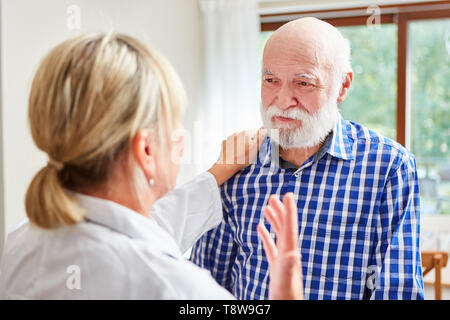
[(151, 182)]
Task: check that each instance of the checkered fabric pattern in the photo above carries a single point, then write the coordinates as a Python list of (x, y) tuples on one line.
[(358, 212)]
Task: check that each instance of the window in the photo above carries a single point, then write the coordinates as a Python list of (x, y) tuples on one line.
[(373, 92), (430, 111)]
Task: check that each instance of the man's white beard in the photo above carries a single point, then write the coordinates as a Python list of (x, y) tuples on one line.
[(312, 132)]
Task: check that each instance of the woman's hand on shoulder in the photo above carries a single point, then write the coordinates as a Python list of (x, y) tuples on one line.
[(238, 151)]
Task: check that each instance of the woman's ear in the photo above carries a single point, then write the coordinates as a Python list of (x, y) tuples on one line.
[(345, 87), (142, 149)]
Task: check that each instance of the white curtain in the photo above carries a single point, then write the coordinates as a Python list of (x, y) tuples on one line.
[(231, 31)]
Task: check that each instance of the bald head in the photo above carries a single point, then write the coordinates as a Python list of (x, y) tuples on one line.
[(313, 42)]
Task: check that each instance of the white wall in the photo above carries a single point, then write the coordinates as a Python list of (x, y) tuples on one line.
[(30, 28), (2, 217)]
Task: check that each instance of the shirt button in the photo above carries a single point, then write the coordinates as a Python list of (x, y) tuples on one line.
[(297, 174)]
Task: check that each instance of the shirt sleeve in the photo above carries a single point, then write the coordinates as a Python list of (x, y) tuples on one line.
[(189, 210), (216, 251), (399, 272)]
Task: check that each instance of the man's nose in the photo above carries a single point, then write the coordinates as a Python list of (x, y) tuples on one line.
[(286, 97)]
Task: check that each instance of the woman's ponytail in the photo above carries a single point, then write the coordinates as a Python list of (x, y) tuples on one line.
[(48, 204)]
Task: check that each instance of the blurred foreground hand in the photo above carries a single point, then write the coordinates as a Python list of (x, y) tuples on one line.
[(285, 266)]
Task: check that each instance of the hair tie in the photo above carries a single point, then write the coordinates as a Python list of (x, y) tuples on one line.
[(55, 164)]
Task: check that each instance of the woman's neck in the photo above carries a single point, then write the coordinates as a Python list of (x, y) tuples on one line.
[(122, 191)]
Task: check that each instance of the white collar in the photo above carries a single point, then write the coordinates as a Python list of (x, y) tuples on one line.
[(123, 220)]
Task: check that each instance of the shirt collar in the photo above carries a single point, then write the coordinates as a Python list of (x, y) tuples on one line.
[(338, 144), (123, 220), (341, 145)]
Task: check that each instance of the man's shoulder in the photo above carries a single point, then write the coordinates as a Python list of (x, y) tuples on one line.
[(244, 181), (370, 141)]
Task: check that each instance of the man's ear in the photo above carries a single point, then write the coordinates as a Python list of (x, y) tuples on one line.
[(345, 87), (143, 152)]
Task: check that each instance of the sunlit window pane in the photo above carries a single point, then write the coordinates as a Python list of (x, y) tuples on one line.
[(373, 95), (429, 44)]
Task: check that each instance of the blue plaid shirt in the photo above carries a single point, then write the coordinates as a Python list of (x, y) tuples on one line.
[(358, 211)]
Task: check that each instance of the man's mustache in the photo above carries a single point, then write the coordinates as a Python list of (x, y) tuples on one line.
[(295, 114)]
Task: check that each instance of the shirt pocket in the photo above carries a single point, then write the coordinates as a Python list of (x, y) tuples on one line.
[(340, 252)]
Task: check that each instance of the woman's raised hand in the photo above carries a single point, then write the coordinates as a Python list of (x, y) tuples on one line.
[(285, 267)]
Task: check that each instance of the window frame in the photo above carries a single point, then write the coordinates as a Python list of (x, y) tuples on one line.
[(400, 14)]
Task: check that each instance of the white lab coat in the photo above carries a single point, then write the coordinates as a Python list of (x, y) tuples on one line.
[(117, 253)]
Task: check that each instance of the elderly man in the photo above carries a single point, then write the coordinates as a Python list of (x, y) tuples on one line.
[(357, 192)]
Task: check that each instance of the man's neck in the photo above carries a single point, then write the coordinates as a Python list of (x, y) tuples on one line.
[(298, 156)]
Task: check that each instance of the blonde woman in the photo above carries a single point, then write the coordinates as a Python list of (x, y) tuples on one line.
[(104, 108)]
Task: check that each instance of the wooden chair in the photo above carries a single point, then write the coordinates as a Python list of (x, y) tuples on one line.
[(436, 260)]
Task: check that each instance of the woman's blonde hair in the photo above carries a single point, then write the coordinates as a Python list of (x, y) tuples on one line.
[(90, 96)]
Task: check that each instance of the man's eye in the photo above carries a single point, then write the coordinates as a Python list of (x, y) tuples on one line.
[(304, 84), (270, 80)]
